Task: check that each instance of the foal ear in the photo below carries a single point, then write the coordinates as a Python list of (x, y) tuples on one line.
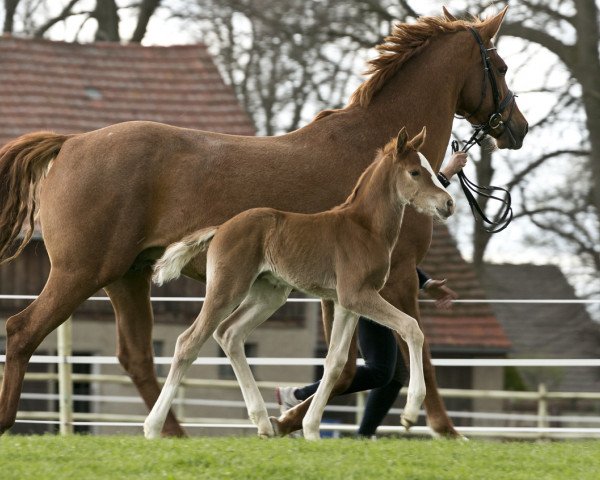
[(490, 27), (417, 142), (448, 15), (401, 140)]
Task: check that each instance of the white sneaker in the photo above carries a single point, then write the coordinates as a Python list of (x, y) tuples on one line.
[(286, 398)]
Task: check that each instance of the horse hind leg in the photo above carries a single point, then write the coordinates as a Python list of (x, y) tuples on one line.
[(63, 292), (130, 297), (262, 301)]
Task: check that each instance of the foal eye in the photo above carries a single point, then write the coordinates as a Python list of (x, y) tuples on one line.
[(415, 173)]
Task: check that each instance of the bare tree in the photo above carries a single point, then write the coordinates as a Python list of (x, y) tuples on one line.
[(37, 17), (287, 60)]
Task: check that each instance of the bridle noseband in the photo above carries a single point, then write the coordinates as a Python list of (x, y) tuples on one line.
[(505, 214)]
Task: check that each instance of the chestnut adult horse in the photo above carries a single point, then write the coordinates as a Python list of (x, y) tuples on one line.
[(111, 200)]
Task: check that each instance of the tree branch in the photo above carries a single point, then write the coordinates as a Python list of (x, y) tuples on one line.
[(566, 53), (147, 9), (66, 13)]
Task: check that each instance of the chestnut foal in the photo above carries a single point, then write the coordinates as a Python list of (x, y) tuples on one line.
[(342, 255)]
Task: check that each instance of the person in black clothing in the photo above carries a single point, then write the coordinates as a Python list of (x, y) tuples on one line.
[(384, 371)]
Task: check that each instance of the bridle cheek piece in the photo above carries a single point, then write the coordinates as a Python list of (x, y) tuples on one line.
[(504, 214)]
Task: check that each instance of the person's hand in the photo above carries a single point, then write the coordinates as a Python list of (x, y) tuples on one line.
[(456, 163), (442, 295)]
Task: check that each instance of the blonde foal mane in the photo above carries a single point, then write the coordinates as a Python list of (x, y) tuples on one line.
[(405, 41)]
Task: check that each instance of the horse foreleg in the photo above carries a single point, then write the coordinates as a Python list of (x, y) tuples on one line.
[(130, 297), (262, 301), (344, 325), (63, 292), (291, 420)]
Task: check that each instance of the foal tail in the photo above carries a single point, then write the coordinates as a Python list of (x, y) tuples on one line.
[(23, 163), (178, 254)]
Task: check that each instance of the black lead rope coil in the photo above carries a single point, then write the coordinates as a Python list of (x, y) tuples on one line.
[(504, 215)]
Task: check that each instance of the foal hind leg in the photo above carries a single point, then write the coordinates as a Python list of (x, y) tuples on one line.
[(218, 305), (63, 292), (130, 297), (262, 301), (344, 324)]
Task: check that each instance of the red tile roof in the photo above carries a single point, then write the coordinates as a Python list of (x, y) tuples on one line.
[(470, 326), (69, 87)]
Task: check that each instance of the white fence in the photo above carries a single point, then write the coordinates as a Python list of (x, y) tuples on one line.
[(66, 418)]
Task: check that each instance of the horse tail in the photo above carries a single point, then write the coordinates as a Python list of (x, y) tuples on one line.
[(178, 254), (23, 163)]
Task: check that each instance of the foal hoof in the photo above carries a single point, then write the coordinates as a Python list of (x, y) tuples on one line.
[(406, 423)]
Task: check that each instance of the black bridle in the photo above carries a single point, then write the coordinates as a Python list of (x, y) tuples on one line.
[(505, 214)]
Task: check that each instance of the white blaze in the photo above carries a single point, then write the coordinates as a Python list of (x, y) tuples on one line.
[(427, 166)]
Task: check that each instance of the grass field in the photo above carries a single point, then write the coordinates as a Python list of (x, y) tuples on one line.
[(86, 457)]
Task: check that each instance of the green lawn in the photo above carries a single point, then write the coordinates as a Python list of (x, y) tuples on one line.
[(86, 457)]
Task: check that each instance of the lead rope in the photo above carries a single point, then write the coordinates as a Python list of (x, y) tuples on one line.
[(504, 215)]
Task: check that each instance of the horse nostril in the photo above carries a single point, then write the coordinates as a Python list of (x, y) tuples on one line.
[(526, 129), (449, 203)]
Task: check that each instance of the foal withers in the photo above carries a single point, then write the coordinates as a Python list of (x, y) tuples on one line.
[(257, 257)]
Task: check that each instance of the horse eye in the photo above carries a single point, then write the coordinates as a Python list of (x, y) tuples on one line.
[(415, 173), (503, 70)]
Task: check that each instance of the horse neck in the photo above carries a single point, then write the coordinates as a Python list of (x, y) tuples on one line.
[(424, 91), (375, 203)]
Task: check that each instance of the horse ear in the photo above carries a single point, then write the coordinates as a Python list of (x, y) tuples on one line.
[(418, 141), (448, 15), (401, 140), (490, 27)]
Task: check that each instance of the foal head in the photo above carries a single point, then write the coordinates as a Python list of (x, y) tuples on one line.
[(416, 183)]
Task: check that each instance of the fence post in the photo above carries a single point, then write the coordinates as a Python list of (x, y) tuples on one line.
[(65, 381), (542, 407)]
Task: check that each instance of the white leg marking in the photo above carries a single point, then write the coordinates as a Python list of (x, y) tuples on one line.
[(344, 324), (262, 301)]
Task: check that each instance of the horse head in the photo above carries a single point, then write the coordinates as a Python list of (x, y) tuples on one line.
[(416, 182), (485, 99)]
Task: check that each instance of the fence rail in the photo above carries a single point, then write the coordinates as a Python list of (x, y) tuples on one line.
[(66, 418)]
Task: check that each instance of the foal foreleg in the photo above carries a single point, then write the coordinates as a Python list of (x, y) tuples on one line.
[(373, 306), (344, 324), (262, 301)]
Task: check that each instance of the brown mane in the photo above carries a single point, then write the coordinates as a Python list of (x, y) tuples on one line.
[(405, 41)]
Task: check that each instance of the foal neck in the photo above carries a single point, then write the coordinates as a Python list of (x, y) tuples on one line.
[(375, 202)]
